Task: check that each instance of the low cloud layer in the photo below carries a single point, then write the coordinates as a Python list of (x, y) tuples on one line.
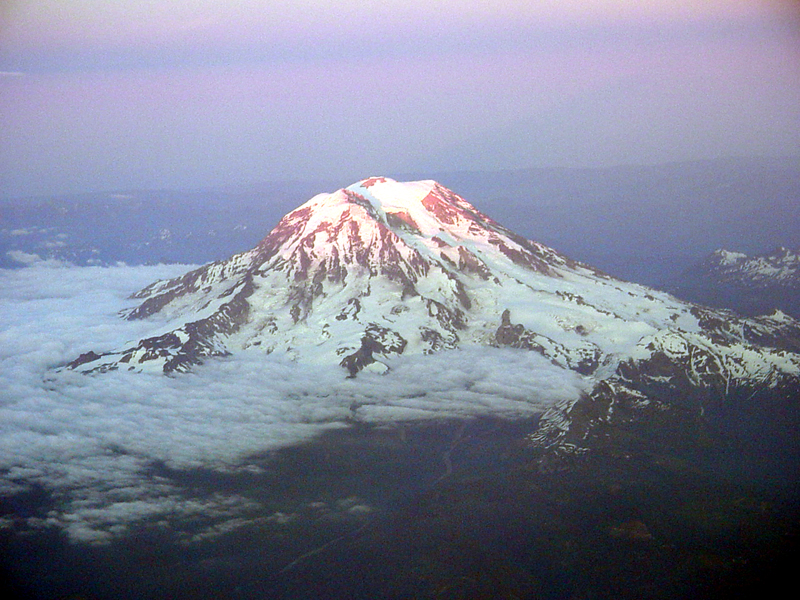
[(93, 441)]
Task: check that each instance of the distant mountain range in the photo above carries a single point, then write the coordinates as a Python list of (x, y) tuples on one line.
[(751, 285), (382, 269)]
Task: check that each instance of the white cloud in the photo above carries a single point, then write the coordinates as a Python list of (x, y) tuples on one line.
[(93, 439), (30, 258), (23, 258)]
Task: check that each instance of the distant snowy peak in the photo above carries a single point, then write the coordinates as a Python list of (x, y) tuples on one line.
[(726, 258), (750, 285), (779, 267)]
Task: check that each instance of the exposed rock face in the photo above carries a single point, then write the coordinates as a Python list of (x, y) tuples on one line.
[(583, 358), (377, 340)]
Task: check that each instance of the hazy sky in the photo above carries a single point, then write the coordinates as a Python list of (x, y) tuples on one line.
[(98, 95)]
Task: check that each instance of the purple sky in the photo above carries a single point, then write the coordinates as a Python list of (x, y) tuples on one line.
[(98, 95)]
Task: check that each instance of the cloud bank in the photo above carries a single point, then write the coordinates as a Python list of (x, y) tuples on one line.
[(94, 442)]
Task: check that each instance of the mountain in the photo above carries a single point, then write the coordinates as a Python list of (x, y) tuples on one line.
[(381, 269), (750, 285)]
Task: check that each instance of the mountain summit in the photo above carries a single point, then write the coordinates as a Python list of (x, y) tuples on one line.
[(383, 268)]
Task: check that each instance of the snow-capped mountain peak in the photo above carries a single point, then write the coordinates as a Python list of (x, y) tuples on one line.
[(379, 223), (382, 268), (782, 264)]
